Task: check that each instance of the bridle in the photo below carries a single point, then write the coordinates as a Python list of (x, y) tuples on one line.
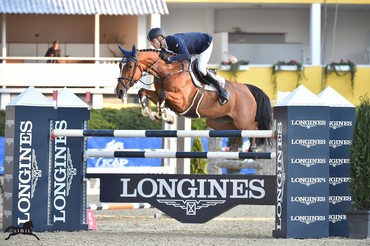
[(148, 70), (131, 80), (137, 65)]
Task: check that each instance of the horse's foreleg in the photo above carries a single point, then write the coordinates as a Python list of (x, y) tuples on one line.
[(144, 95), (163, 110)]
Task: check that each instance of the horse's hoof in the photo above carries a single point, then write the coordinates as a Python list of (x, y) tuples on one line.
[(157, 116), (145, 112), (153, 117), (170, 121)]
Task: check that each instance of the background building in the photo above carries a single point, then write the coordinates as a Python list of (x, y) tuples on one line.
[(314, 33)]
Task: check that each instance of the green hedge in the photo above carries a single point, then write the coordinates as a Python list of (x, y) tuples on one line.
[(125, 118), (130, 118)]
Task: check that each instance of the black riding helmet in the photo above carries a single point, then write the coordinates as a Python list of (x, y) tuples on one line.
[(155, 33)]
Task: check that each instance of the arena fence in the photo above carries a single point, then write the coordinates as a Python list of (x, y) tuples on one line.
[(45, 172)]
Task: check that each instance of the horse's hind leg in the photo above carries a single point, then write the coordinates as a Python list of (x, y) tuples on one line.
[(234, 146), (253, 141), (252, 145)]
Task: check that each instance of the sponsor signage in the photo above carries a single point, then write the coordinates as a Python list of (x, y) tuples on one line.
[(68, 190), (26, 167), (188, 198), (302, 134), (341, 124), (133, 144), (342, 120)]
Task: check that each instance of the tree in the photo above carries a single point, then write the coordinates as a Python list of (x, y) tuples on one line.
[(198, 166)]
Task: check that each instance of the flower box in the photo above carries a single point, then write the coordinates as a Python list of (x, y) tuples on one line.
[(225, 67), (340, 68), (286, 68), (243, 67)]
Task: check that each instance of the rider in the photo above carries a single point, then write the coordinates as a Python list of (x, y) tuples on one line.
[(185, 45)]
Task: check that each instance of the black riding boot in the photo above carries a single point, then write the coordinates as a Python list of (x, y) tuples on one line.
[(223, 94)]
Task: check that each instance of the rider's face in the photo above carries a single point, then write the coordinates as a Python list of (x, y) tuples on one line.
[(156, 42)]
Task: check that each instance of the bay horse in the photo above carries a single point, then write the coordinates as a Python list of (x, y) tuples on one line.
[(249, 108)]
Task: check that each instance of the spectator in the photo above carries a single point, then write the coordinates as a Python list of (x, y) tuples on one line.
[(53, 51)]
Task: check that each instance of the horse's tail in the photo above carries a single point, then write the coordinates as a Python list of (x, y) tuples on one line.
[(264, 112)]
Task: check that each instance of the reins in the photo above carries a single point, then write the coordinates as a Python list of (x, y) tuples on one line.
[(152, 72), (149, 70), (180, 71)]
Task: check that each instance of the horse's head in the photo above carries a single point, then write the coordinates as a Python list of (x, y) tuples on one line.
[(130, 71)]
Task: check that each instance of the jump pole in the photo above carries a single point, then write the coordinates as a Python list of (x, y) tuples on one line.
[(174, 154), (118, 206), (162, 133)]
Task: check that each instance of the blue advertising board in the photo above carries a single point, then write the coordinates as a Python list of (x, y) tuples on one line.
[(110, 143), (125, 143)]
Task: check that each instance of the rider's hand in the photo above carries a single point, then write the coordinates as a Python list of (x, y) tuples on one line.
[(164, 56)]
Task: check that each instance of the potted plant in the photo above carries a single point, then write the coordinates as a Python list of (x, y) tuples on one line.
[(358, 216), (342, 68), (226, 65), (291, 65), (234, 66), (243, 65)]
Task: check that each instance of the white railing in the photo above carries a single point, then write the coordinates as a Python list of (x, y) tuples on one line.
[(37, 59), (79, 74)]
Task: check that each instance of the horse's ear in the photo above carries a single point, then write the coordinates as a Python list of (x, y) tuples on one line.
[(133, 51), (124, 52)]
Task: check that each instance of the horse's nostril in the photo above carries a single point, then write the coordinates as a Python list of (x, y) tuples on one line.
[(120, 94)]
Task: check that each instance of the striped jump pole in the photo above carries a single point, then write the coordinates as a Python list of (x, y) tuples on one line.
[(174, 154), (118, 206), (163, 133)]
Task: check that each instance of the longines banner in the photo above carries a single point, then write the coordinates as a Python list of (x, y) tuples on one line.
[(68, 188), (302, 170), (26, 161), (342, 121), (48, 193), (188, 198)]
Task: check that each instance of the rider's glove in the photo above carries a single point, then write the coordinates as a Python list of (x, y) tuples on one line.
[(164, 56)]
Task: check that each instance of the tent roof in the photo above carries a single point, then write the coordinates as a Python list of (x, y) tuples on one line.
[(84, 7)]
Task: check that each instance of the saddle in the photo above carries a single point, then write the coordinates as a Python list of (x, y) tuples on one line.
[(199, 82), (198, 79)]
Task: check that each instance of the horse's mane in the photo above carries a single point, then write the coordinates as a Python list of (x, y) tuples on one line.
[(156, 51), (149, 50)]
